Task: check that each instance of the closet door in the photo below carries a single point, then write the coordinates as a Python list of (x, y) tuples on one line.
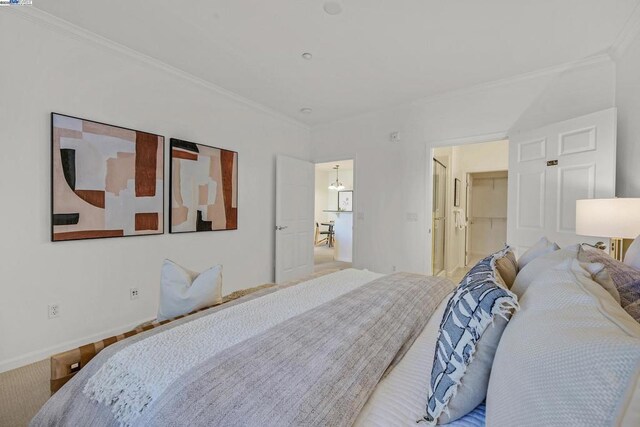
[(552, 167)]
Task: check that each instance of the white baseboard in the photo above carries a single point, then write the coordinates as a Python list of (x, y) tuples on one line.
[(38, 355)]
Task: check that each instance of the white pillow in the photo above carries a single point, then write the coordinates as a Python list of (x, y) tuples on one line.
[(632, 258), (544, 246), (569, 357), (183, 291)]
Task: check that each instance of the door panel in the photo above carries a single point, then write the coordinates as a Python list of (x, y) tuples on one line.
[(554, 166), (294, 218), (532, 150), (574, 183), (531, 200), (578, 141)]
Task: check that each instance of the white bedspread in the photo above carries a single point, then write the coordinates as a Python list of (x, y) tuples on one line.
[(401, 398), (135, 376)]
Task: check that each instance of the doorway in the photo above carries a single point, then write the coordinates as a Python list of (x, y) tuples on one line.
[(439, 216), (333, 218), (469, 205)]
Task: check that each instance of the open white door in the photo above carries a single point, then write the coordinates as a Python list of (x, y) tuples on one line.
[(294, 218), (552, 167)]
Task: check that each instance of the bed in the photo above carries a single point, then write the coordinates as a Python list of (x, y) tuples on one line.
[(351, 370), (357, 348)]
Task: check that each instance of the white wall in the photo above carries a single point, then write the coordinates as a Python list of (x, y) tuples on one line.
[(628, 102), (392, 178), (45, 70)]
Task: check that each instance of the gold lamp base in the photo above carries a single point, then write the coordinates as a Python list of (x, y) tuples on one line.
[(619, 248)]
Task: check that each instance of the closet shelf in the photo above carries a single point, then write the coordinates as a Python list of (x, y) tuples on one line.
[(488, 217)]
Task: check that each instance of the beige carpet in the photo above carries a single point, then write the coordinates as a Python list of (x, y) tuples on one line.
[(23, 391), (323, 260)]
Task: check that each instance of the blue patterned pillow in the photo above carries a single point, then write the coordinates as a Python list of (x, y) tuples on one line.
[(473, 306)]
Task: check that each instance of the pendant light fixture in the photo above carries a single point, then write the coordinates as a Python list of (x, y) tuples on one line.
[(337, 185)]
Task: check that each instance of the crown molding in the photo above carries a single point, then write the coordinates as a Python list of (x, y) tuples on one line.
[(628, 34), (556, 69), (470, 90), (67, 28)]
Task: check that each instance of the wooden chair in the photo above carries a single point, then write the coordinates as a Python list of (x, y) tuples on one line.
[(328, 239)]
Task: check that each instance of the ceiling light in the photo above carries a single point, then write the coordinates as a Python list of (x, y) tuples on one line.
[(306, 110), (332, 7), (307, 56), (337, 185)]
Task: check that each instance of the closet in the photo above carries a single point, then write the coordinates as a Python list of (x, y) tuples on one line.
[(487, 213)]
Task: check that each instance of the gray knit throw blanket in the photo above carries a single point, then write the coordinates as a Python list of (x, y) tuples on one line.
[(315, 369)]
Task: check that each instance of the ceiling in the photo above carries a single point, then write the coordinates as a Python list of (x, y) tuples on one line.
[(345, 165), (375, 54)]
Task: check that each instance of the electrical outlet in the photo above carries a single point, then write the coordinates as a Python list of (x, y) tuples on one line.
[(134, 293), (54, 311), (393, 267)]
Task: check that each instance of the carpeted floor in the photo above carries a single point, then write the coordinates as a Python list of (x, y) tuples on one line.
[(323, 260), (23, 391)]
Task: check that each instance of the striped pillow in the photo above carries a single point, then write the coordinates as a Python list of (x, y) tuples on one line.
[(625, 278), (477, 302)]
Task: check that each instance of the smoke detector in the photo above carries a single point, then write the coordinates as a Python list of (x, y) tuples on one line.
[(332, 7)]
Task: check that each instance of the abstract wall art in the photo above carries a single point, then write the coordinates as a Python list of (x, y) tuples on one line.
[(107, 181), (204, 188)]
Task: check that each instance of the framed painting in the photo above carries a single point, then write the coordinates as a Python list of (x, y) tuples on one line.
[(106, 181), (345, 201), (204, 188)]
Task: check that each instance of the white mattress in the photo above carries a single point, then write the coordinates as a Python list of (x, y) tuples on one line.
[(401, 398)]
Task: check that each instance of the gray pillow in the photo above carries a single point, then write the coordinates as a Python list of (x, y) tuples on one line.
[(601, 276), (625, 278), (542, 247)]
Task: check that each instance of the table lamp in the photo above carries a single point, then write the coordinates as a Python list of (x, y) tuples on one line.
[(617, 219)]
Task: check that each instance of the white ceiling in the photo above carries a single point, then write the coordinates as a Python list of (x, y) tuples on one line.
[(345, 165), (377, 53)]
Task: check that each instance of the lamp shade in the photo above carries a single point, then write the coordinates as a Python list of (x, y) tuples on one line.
[(608, 218)]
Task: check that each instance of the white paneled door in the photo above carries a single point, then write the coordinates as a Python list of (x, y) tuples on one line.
[(294, 218), (552, 167)]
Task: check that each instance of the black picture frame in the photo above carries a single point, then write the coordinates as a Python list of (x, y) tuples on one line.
[(192, 146), (56, 217)]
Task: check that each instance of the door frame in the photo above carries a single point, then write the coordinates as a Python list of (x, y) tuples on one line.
[(445, 247), (430, 152), (352, 157)]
